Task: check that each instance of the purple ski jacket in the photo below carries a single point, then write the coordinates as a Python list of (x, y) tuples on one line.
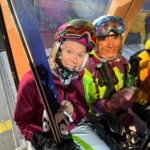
[(29, 108)]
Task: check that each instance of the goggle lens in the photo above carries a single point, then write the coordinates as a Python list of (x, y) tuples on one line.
[(77, 29), (105, 28), (108, 23)]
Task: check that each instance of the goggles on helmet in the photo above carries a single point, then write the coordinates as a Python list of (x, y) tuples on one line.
[(106, 24), (78, 29)]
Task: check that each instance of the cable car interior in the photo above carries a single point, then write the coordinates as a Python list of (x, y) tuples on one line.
[(50, 14)]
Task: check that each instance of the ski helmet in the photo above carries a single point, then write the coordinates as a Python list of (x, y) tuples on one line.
[(79, 30), (107, 24)]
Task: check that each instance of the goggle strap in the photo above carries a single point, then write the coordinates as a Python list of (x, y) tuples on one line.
[(85, 35)]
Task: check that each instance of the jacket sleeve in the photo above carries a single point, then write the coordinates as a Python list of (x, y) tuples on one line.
[(120, 101), (28, 114)]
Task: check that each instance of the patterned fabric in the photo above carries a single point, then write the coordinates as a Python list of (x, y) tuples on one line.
[(63, 72)]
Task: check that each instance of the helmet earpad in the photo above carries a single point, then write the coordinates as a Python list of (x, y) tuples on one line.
[(84, 61), (54, 51)]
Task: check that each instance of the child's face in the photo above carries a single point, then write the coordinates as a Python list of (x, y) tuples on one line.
[(73, 55)]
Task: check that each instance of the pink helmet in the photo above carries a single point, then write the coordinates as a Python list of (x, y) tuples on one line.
[(78, 30)]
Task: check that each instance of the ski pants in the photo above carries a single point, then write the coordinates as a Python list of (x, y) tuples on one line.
[(87, 139)]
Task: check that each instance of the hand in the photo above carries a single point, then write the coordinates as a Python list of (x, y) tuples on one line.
[(67, 107), (126, 96), (63, 121), (41, 140), (127, 117), (122, 100)]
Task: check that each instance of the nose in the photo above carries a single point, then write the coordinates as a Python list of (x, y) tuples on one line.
[(110, 42), (74, 59)]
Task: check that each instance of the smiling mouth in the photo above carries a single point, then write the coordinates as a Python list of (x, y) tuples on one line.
[(70, 68), (110, 51)]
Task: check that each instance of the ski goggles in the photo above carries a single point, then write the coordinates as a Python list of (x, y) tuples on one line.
[(78, 29), (110, 23)]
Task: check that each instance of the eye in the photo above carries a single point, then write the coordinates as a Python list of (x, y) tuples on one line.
[(116, 36), (102, 38), (81, 55), (69, 51)]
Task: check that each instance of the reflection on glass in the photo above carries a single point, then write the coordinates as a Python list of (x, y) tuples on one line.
[(139, 32), (53, 13)]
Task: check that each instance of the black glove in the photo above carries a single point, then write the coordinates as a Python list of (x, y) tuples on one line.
[(41, 141), (68, 143)]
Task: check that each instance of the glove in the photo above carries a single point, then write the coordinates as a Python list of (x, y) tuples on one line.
[(119, 101), (41, 141), (68, 143), (123, 99), (127, 117)]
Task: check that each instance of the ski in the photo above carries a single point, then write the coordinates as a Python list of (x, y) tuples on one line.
[(29, 32)]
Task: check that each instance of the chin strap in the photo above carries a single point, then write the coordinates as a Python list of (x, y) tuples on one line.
[(64, 72)]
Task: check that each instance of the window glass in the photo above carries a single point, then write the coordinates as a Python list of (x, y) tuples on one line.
[(139, 32), (53, 13)]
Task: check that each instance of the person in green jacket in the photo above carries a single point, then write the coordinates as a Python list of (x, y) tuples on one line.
[(105, 77), (106, 67), (105, 72)]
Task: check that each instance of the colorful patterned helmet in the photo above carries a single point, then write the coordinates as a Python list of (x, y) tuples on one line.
[(78, 30), (106, 24)]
